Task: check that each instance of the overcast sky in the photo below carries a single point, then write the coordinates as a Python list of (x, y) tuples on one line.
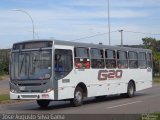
[(73, 19)]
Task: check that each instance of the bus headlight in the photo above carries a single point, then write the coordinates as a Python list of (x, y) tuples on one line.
[(44, 91), (48, 90), (13, 91)]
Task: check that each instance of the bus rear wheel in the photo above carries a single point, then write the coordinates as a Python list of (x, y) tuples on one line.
[(78, 97), (130, 90), (43, 103)]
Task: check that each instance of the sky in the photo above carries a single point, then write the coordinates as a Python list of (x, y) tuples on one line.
[(77, 20)]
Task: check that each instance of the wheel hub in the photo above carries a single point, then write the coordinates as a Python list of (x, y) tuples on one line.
[(78, 96)]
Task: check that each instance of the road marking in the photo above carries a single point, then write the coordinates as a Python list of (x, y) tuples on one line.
[(124, 104)]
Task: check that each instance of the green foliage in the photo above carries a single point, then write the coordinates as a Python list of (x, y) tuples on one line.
[(154, 45), (4, 67), (4, 97), (4, 61), (156, 80), (150, 116)]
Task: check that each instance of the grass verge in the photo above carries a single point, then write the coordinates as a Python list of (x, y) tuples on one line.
[(4, 98), (152, 116), (158, 115), (3, 77), (156, 80)]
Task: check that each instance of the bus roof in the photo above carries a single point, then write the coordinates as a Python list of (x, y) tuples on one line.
[(90, 45)]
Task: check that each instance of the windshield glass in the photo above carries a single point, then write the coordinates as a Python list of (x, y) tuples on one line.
[(31, 65)]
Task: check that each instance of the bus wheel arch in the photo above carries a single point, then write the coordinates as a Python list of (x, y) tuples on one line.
[(84, 88), (79, 93), (131, 88), (133, 82)]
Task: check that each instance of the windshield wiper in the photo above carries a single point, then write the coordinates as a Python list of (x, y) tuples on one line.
[(22, 64)]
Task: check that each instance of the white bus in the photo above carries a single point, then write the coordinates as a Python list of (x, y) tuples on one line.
[(48, 70)]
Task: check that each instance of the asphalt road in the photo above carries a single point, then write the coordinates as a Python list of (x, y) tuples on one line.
[(146, 101)]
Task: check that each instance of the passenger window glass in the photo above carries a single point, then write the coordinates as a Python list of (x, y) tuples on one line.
[(133, 59), (122, 59), (149, 60), (142, 60), (63, 63), (96, 53), (110, 59), (81, 59), (82, 52), (97, 58)]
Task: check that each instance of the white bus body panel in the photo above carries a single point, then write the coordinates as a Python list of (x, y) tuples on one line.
[(95, 87), (105, 87)]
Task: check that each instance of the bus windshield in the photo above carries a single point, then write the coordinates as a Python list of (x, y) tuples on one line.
[(31, 65)]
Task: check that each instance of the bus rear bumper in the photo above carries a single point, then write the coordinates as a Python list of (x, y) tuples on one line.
[(32, 96)]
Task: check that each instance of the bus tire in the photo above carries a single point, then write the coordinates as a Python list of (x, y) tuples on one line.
[(43, 103), (78, 97), (130, 90)]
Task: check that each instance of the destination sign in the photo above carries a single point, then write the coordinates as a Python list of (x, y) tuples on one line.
[(32, 45)]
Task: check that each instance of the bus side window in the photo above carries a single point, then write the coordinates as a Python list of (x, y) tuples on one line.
[(142, 60), (149, 60), (122, 61), (97, 58), (63, 63), (81, 59), (110, 60), (133, 59)]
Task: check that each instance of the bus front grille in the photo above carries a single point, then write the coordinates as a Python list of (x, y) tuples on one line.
[(24, 91), (32, 91), (35, 91), (30, 84)]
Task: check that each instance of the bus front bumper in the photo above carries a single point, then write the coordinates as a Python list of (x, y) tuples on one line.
[(32, 96)]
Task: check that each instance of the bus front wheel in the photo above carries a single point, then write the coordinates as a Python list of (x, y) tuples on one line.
[(78, 97), (43, 103)]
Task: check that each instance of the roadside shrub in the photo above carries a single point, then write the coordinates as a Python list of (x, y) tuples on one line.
[(4, 67)]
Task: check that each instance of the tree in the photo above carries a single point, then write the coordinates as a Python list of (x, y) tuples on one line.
[(4, 61), (154, 45)]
